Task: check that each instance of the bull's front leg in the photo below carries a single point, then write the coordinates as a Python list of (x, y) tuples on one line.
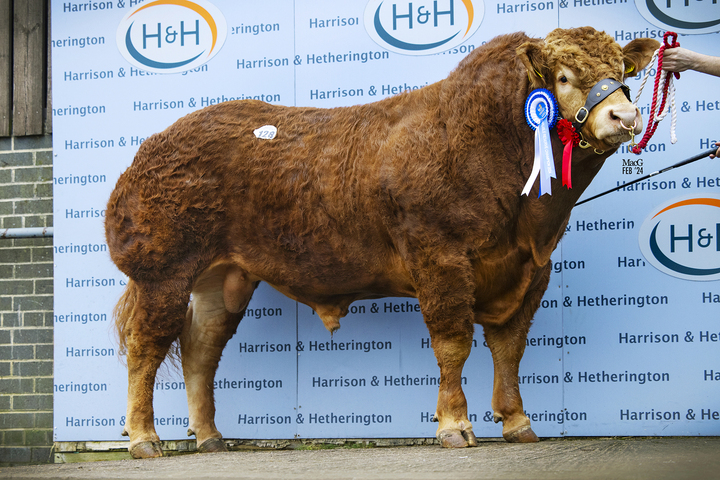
[(446, 298), (454, 429), (507, 344)]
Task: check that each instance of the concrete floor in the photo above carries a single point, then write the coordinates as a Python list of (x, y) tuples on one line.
[(597, 458)]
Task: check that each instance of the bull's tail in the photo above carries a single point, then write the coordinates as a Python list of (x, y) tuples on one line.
[(126, 310), (123, 312)]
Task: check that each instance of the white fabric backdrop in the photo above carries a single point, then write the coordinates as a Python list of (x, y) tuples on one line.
[(618, 368)]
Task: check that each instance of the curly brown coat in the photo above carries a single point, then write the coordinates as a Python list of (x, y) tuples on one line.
[(415, 195)]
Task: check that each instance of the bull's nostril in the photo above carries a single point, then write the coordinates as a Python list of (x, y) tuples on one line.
[(615, 116)]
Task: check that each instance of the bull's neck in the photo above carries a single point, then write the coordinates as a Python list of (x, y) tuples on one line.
[(487, 133), (546, 217)]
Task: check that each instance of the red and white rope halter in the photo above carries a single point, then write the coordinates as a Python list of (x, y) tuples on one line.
[(664, 88)]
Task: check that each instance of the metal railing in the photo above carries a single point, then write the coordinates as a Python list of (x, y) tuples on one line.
[(30, 232)]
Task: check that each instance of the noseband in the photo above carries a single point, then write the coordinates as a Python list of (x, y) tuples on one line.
[(603, 89), (597, 94)]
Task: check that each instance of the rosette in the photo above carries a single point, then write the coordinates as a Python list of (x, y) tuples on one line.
[(541, 112), (570, 138)]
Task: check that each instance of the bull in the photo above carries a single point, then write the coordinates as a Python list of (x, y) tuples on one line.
[(417, 195)]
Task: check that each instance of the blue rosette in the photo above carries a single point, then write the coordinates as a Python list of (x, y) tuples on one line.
[(541, 114), (541, 105)]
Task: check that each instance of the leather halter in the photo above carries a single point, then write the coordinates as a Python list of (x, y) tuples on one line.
[(597, 94)]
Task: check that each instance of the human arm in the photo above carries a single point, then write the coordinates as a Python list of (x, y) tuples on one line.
[(680, 59)]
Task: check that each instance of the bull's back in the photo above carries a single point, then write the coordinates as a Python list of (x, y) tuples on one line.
[(299, 209), (305, 213)]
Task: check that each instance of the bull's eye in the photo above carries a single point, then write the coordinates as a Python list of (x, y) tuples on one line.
[(563, 79)]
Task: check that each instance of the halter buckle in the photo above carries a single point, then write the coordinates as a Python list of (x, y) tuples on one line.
[(585, 113)]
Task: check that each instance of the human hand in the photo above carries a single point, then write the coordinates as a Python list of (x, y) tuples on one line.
[(679, 59)]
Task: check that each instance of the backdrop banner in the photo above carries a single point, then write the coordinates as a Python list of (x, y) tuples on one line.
[(627, 339)]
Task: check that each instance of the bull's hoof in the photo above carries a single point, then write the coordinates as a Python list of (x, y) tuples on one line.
[(521, 435), (470, 437), (146, 450), (457, 439), (212, 445)]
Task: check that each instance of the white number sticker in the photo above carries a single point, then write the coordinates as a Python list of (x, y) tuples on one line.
[(266, 132)]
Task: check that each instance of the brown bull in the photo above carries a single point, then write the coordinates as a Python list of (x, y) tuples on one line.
[(417, 195)]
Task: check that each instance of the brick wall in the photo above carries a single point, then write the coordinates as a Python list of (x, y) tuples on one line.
[(26, 302)]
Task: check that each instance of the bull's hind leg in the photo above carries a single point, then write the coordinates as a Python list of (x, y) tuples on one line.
[(219, 298), (155, 322), (445, 298)]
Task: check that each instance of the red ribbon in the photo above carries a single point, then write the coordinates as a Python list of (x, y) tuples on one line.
[(570, 138)]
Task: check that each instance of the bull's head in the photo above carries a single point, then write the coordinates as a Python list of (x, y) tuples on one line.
[(571, 62)]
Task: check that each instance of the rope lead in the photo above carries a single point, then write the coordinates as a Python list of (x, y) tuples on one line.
[(658, 112)]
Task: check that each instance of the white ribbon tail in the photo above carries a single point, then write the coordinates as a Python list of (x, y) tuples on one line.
[(547, 164), (535, 169)]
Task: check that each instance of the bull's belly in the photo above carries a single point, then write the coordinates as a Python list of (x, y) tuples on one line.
[(309, 256), (327, 272), (334, 281), (328, 294), (331, 287)]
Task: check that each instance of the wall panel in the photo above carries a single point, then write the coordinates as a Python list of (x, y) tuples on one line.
[(618, 347)]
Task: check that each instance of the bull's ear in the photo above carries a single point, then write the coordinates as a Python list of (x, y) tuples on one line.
[(637, 54), (532, 57)]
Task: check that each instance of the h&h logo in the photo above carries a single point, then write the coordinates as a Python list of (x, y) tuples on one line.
[(422, 27), (681, 16), (682, 238), (171, 36)]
